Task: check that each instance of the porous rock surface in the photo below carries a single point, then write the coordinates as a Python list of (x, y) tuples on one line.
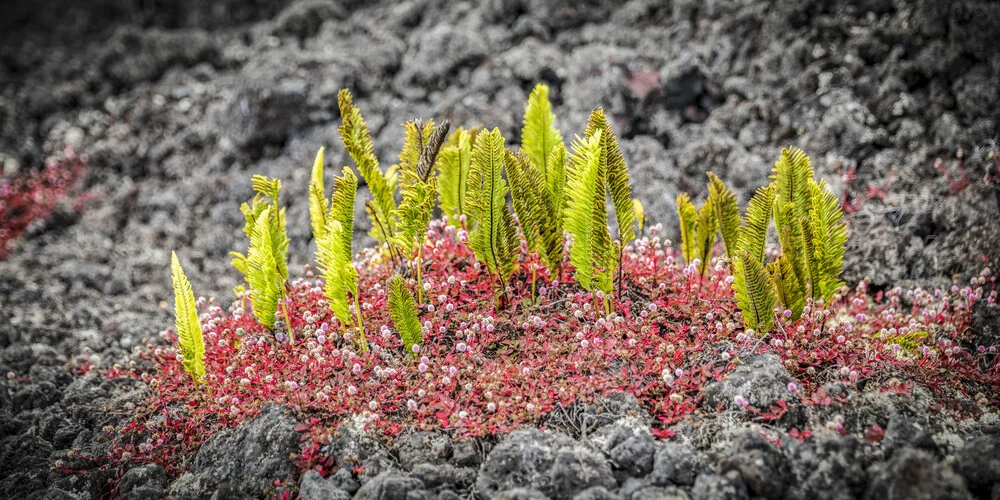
[(175, 104)]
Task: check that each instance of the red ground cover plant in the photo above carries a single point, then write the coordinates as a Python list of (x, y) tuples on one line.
[(33, 196), (486, 370)]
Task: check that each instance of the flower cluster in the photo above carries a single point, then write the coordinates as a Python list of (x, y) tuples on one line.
[(484, 369)]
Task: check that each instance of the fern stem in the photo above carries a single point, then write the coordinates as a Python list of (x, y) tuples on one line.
[(288, 321), (534, 272), (621, 277), (361, 325), (420, 281)]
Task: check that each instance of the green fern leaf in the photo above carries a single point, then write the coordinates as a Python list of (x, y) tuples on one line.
[(754, 293), (556, 181), (539, 135), (687, 215), (705, 232), (382, 185), (640, 213), (535, 210), (337, 270), (416, 137), (727, 213), (189, 334), (494, 239), (263, 276), (345, 190), (829, 236), (403, 311), (753, 233), (318, 206), (615, 174), (788, 290), (582, 193), (791, 175), (453, 174)]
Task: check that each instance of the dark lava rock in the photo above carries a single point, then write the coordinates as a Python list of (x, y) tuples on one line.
[(245, 460), (597, 493), (658, 493), (546, 461), (761, 379), (633, 457), (145, 481), (822, 469), (421, 447), (979, 463), (389, 486), (915, 474), (312, 486), (728, 486), (761, 465), (437, 476), (676, 463)]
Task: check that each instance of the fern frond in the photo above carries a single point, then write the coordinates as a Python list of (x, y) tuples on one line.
[(556, 181), (539, 136), (789, 291), (341, 207), (687, 215), (189, 334), (337, 270), (754, 293), (263, 275), (829, 236), (403, 311), (727, 213), (582, 193), (414, 213), (705, 232), (535, 210), (416, 136), (640, 213), (382, 185), (266, 186), (429, 156), (791, 175), (318, 206), (753, 233), (239, 262), (494, 239), (453, 174), (615, 175)]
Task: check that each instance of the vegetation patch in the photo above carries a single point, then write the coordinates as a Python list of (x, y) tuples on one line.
[(498, 292)]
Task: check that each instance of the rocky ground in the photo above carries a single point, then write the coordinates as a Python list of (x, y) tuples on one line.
[(177, 103)]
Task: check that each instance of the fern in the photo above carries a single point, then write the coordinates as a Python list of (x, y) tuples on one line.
[(791, 175), (265, 265), (754, 293), (640, 214), (416, 136), (318, 206), (334, 254), (535, 211), (829, 236), (382, 185), (792, 205), (687, 215), (403, 312), (556, 181), (753, 233), (189, 333), (615, 174), (727, 213), (263, 274), (494, 238), (539, 136), (453, 174), (585, 218), (789, 291), (418, 187), (706, 231)]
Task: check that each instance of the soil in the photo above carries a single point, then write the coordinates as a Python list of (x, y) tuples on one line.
[(176, 104)]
